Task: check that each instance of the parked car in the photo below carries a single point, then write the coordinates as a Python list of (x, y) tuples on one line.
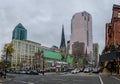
[(33, 72), (28, 72), (81, 69), (22, 72), (75, 71), (95, 70), (86, 70)]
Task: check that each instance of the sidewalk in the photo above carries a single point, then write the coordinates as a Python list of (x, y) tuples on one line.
[(9, 77)]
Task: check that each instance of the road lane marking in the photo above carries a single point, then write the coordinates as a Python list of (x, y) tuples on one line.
[(20, 81), (24, 82), (115, 78), (101, 80), (30, 83)]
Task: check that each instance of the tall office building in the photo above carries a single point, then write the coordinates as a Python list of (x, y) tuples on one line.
[(81, 31), (19, 33)]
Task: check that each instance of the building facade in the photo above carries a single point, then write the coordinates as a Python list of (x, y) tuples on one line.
[(81, 31), (95, 54), (113, 28), (24, 53), (111, 55), (48, 60), (78, 53), (19, 33)]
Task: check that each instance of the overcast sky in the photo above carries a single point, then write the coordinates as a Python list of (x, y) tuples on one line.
[(44, 18)]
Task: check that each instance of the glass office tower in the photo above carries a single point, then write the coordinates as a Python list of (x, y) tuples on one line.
[(19, 33)]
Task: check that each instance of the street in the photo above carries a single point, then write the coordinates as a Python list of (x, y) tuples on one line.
[(79, 78)]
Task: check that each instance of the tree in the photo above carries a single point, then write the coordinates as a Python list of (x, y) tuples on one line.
[(106, 49), (9, 50), (112, 48), (62, 57), (118, 47)]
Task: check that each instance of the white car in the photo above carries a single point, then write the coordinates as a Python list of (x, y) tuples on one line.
[(75, 71), (86, 70)]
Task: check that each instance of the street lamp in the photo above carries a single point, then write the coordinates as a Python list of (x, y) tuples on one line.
[(5, 70), (42, 61)]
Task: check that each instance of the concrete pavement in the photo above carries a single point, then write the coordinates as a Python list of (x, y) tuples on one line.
[(63, 78), (8, 77)]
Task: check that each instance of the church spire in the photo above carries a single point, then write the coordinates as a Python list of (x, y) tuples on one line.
[(62, 45)]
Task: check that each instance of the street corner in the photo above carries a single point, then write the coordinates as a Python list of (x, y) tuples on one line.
[(116, 77), (8, 78), (1, 80)]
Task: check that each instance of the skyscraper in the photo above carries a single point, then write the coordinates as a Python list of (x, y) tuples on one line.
[(62, 45), (81, 31), (19, 33)]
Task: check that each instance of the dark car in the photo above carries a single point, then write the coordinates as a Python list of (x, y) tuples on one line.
[(97, 69), (33, 72), (81, 69)]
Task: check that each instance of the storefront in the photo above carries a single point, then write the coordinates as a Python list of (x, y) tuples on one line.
[(111, 62)]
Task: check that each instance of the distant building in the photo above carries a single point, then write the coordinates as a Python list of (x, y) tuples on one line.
[(95, 54), (78, 53), (113, 28), (81, 31), (54, 48), (78, 49), (68, 47), (50, 62), (19, 33)]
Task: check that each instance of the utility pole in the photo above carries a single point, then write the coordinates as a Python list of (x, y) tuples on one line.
[(43, 62), (5, 65)]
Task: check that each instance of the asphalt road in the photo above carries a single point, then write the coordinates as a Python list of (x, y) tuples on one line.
[(81, 78), (110, 79)]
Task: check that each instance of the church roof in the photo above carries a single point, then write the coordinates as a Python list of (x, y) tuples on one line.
[(52, 55)]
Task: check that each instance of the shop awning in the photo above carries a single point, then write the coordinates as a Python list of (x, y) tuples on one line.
[(110, 56)]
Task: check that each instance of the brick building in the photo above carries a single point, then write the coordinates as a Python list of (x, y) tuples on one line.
[(113, 28), (110, 59)]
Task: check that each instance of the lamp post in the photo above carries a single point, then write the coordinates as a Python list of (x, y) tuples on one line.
[(5, 65), (43, 65), (43, 62), (118, 69)]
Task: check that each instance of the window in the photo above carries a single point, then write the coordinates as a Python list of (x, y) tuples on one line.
[(119, 15), (84, 17)]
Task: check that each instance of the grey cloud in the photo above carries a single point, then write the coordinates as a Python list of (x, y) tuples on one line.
[(44, 18)]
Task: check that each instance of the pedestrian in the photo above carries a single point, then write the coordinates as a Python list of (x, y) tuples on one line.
[(43, 73), (1, 74)]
